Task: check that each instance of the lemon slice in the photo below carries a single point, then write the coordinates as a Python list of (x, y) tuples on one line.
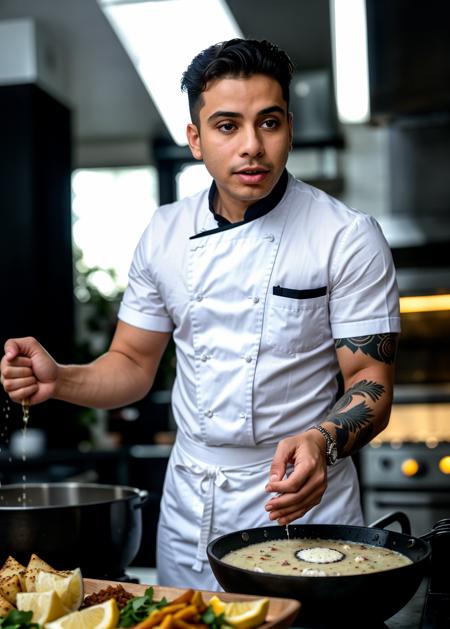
[(218, 606), (103, 616), (246, 614), (69, 588), (46, 606)]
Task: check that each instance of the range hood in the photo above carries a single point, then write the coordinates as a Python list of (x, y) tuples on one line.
[(421, 251), (412, 231), (417, 226)]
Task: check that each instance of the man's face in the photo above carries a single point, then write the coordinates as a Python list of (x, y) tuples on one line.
[(243, 138)]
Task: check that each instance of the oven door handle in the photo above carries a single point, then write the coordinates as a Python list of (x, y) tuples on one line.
[(397, 516), (413, 500)]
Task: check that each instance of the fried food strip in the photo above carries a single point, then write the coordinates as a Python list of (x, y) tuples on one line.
[(157, 616), (153, 621), (186, 597), (197, 600), (181, 624), (190, 611)]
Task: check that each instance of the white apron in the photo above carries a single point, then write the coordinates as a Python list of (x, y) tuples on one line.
[(215, 484)]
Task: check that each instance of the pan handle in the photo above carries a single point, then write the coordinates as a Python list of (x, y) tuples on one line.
[(144, 497), (397, 516), (440, 529)]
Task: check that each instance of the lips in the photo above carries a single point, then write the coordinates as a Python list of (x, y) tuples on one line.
[(251, 171), (252, 175)]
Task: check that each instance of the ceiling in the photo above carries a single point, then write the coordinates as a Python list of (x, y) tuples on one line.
[(107, 98)]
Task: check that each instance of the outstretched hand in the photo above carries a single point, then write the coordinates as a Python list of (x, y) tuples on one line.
[(305, 485), (28, 372)]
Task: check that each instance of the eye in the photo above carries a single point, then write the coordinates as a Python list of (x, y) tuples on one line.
[(270, 123), (226, 127)]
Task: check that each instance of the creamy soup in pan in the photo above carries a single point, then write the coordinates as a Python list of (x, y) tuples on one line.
[(315, 557)]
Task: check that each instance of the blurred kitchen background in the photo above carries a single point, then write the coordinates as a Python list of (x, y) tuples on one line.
[(87, 152)]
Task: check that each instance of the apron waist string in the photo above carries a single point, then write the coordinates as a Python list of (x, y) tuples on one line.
[(227, 457)]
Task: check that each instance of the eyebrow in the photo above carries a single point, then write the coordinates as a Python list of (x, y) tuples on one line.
[(234, 114)]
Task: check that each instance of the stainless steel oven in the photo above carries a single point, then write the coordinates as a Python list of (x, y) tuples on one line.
[(407, 467)]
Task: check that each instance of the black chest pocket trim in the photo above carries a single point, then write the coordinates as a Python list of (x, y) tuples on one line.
[(293, 293)]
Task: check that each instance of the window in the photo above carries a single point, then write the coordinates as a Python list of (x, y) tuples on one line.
[(110, 208), (191, 179)]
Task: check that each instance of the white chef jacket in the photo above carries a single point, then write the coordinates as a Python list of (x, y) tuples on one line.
[(254, 308)]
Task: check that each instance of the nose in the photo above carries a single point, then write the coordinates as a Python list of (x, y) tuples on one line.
[(252, 144)]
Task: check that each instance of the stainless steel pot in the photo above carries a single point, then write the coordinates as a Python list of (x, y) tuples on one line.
[(95, 527)]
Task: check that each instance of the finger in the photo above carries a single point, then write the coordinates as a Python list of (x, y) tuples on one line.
[(314, 485), (25, 346), (11, 349), (15, 384), (19, 361), (295, 515), (303, 502), (12, 372), (277, 505), (283, 454), (288, 485), (299, 477), (26, 393), (283, 516)]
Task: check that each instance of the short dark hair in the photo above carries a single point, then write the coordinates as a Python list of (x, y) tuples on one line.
[(235, 58)]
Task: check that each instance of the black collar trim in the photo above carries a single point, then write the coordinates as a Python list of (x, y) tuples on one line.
[(254, 211)]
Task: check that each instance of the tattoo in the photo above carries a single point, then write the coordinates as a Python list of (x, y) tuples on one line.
[(382, 347), (357, 419)]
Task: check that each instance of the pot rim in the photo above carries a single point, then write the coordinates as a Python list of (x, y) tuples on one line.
[(134, 492), (330, 578)]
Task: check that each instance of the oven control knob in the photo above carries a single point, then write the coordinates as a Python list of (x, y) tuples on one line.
[(411, 467), (444, 464)]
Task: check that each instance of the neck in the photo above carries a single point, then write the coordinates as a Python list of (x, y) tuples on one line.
[(234, 215)]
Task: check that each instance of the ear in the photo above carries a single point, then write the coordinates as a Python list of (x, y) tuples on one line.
[(193, 137), (291, 129)]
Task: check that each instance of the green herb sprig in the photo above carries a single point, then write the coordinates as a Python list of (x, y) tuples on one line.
[(213, 620), (139, 608), (18, 620)]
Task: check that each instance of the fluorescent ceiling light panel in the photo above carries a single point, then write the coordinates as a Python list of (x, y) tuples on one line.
[(349, 33), (161, 38)]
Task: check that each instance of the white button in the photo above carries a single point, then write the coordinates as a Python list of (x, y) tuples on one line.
[(199, 296), (269, 237), (204, 358), (242, 415), (209, 413), (255, 300), (248, 358)]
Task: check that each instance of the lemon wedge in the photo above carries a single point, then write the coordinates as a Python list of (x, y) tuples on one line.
[(103, 616), (69, 588), (46, 606), (246, 614), (218, 606)]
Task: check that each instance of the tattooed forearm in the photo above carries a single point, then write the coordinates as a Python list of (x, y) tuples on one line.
[(354, 427), (382, 347)]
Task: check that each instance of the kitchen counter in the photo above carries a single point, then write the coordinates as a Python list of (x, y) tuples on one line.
[(407, 618), (410, 616)]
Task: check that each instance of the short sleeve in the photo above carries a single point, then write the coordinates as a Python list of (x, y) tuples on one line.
[(142, 305), (363, 295)]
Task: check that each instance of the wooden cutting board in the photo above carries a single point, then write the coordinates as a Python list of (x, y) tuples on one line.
[(282, 611)]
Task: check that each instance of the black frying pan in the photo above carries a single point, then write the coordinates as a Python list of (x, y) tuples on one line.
[(329, 600)]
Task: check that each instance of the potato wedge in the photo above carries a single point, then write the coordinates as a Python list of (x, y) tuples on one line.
[(10, 586), (34, 566), (5, 606), (12, 568)]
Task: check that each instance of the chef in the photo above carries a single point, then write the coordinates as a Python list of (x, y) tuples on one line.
[(271, 289)]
